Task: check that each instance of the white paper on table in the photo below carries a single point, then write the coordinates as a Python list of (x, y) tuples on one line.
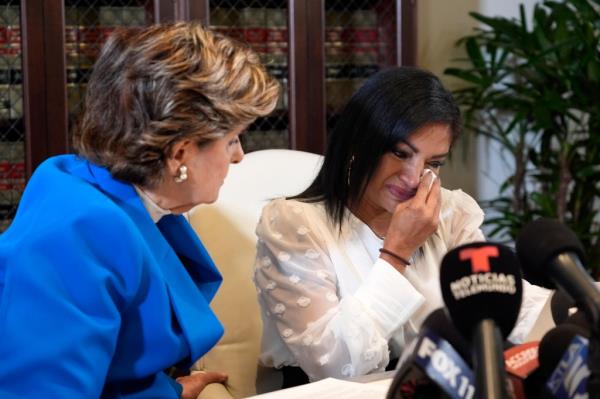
[(332, 388)]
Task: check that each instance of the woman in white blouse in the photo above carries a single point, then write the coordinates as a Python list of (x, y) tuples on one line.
[(347, 270)]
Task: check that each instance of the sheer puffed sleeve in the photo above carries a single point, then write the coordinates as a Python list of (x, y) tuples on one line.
[(465, 217), (534, 299), (465, 228), (297, 281)]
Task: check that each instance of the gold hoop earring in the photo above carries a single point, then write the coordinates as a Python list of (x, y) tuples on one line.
[(349, 170), (182, 176)]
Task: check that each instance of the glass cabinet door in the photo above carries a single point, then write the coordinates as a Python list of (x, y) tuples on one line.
[(12, 133), (264, 25), (360, 39), (87, 25)]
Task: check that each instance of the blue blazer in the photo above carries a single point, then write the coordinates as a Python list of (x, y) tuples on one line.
[(96, 300)]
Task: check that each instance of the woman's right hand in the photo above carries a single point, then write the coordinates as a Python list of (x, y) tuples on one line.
[(415, 220)]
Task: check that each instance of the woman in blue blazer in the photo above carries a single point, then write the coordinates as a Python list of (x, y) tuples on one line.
[(103, 284)]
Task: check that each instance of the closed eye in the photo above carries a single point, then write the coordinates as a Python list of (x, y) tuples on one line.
[(436, 164), (401, 154)]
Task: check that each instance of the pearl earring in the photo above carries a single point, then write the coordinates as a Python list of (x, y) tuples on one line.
[(182, 174)]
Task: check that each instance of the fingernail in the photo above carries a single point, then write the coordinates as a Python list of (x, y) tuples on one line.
[(425, 173), (432, 178), (428, 171)]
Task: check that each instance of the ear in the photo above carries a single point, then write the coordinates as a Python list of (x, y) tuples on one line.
[(178, 156)]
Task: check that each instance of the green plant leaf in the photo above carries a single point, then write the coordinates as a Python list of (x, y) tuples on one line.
[(535, 90)]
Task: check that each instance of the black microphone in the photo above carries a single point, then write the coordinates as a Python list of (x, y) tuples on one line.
[(431, 367), (440, 323), (560, 304), (554, 344), (552, 255), (563, 356), (482, 288), (527, 371), (580, 319)]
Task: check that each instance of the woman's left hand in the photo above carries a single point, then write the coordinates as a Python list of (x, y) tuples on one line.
[(415, 220), (194, 383)]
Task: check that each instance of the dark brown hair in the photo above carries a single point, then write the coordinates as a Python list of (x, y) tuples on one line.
[(388, 108)]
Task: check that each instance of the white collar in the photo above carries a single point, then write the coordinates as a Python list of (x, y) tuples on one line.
[(155, 211)]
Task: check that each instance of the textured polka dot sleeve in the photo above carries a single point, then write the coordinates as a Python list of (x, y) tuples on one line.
[(534, 299), (304, 315), (466, 219)]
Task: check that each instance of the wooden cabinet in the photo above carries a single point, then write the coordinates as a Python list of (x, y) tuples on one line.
[(320, 50), (12, 145), (46, 50)]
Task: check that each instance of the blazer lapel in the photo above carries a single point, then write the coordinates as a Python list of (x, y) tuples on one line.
[(128, 200), (190, 297), (171, 241), (192, 254)]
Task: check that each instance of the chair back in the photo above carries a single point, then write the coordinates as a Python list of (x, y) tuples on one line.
[(227, 229)]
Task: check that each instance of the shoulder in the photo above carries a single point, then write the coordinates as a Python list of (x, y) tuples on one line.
[(80, 213), (97, 248), (88, 230), (59, 181), (69, 213), (74, 231), (458, 202), (284, 216), (291, 209), (460, 212)]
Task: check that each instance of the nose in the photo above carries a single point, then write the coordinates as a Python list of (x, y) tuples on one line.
[(411, 175), (238, 154)]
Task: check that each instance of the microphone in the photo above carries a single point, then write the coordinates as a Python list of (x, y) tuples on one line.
[(482, 288), (552, 255), (521, 363), (529, 365), (440, 323), (560, 304), (570, 377), (554, 344), (580, 319), (431, 367)]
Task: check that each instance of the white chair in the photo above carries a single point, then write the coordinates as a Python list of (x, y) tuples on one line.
[(227, 229)]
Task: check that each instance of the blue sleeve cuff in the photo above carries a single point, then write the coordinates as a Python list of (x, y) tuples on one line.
[(176, 386)]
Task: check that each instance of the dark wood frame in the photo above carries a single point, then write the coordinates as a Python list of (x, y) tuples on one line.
[(44, 74), (307, 75), (307, 62), (407, 32), (44, 80)]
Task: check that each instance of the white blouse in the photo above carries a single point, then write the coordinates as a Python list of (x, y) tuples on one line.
[(333, 307)]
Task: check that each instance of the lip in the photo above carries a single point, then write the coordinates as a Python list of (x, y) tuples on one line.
[(398, 193)]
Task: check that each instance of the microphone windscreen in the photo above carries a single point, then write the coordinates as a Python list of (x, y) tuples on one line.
[(431, 368), (539, 242), (554, 344), (560, 303), (579, 319), (480, 281), (522, 367), (440, 323)]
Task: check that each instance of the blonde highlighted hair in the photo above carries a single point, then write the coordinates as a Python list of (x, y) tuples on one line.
[(154, 86)]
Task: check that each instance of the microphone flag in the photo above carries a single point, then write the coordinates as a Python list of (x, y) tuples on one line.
[(569, 379), (443, 364)]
